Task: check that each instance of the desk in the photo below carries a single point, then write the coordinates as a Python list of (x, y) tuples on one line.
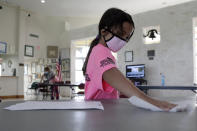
[(119, 115), (56, 84), (146, 88)]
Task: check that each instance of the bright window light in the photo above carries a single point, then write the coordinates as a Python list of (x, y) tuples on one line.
[(0, 69), (42, 1)]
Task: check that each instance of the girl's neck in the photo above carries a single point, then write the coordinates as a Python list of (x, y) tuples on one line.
[(101, 41)]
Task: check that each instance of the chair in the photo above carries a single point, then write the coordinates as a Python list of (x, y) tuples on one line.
[(45, 90), (32, 87), (79, 90), (81, 87)]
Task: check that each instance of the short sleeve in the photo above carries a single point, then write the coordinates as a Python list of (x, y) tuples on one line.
[(51, 75), (104, 61), (100, 60)]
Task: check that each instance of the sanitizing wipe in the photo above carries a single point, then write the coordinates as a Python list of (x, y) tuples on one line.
[(181, 105)]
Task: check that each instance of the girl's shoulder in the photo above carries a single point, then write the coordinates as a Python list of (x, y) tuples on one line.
[(100, 52), (99, 48)]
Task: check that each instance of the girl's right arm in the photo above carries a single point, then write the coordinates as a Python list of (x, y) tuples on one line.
[(117, 80)]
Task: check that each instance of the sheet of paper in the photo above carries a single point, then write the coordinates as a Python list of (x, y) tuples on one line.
[(181, 105), (60, 105)]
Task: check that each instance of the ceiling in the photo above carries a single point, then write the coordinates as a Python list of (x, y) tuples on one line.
[(90, 8)]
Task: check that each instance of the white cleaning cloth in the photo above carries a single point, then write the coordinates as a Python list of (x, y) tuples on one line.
[(181, 106), (56, 105)]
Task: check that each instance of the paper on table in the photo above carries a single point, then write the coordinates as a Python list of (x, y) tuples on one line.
[(48, 105), (181, 105)]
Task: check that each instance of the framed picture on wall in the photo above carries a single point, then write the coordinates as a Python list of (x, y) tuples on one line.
[(3, 47), (33, 76), (29, 69), (33, 67), (29, 51), (65, 64), (128, 56), (67, 74), (30, 78), (38, 68), (26, 69), (52, 51), (42, 68), (41, 61), (53, 60)]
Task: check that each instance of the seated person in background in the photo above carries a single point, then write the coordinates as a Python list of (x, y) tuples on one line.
[(49, 77)]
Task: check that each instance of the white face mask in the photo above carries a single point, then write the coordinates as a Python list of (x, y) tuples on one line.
[(46, 73), (115, 43)]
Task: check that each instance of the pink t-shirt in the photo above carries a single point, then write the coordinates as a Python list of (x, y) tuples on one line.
[(100, 60)]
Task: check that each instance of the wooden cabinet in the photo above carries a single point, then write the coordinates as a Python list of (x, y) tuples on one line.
[(8, 85)]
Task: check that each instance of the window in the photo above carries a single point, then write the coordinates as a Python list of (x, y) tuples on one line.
[(195, 48), (0, 69), (79, 50), (147, 33), (80, 56)]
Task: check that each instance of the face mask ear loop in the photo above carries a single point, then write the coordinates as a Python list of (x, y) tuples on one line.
[(105, 40)]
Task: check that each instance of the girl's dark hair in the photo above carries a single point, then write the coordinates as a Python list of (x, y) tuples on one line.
[(113, 17), (47, 69)]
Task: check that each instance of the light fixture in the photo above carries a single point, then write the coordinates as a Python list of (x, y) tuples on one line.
[(43, 1), (151, 33)]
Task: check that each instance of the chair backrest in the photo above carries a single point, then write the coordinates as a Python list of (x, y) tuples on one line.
[(81, 86), (68, 82), (59, 82), (34, 85)]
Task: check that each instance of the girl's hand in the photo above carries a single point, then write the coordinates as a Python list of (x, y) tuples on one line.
[(166, 106)]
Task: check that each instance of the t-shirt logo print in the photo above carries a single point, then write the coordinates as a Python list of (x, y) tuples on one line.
[(106, 61)]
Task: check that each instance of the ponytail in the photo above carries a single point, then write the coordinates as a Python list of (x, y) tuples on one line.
[(93, 43)]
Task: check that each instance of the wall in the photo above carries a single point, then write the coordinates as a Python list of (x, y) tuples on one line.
[(49, 30), (8, 71), (174, 54), (15, 27), (195, 48), (81, 22), (8, 27)]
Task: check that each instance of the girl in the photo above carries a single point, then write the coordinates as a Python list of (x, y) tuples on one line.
[(50, 78), (103, 79)]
